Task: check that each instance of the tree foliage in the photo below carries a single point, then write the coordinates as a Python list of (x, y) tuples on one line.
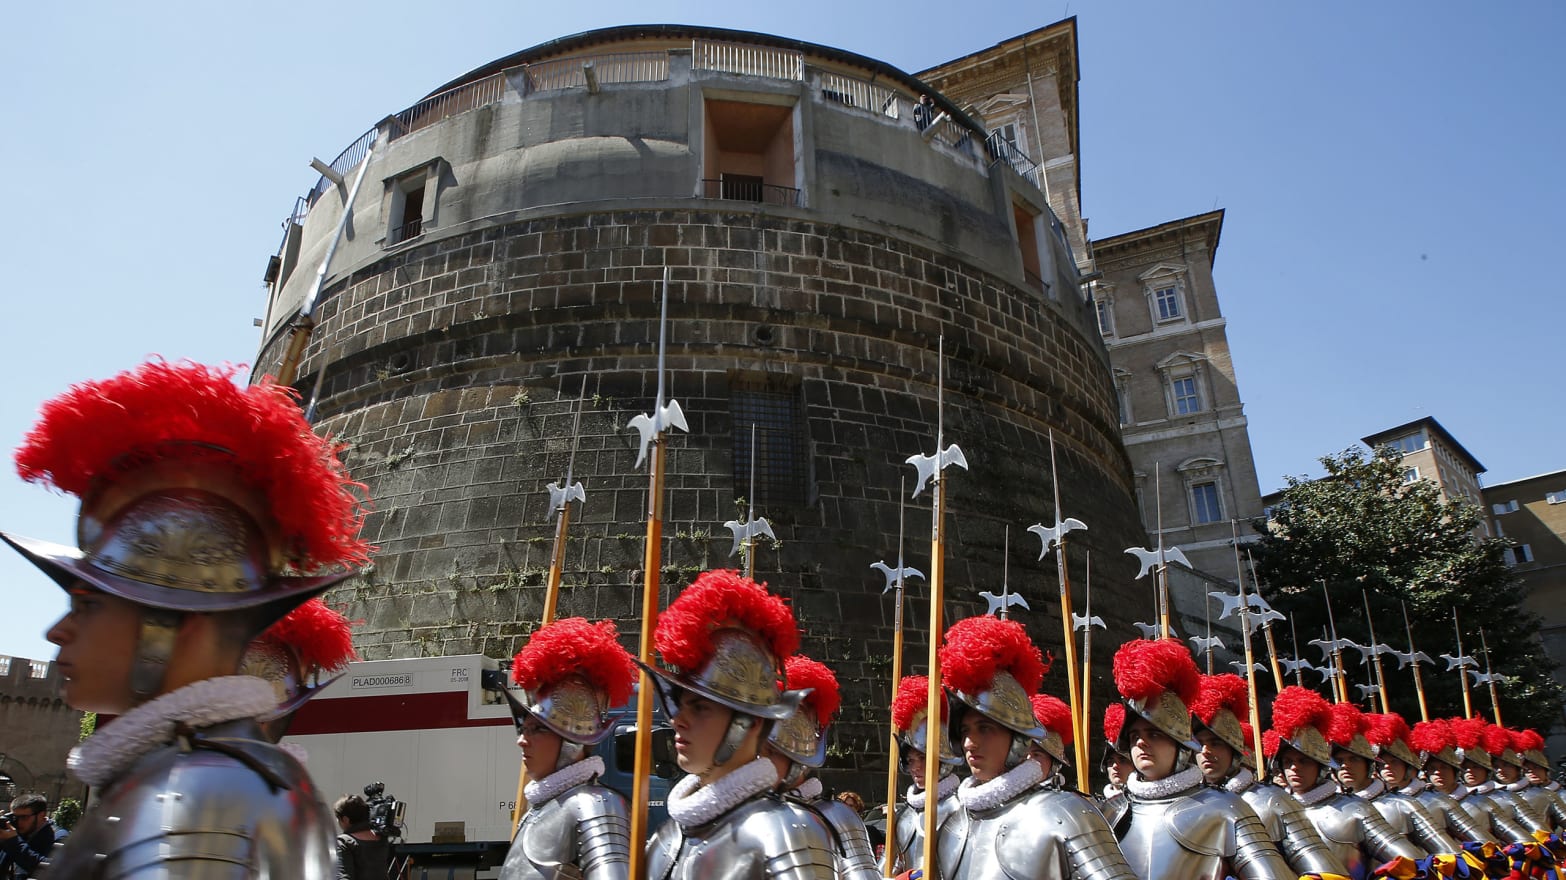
[(1363, 528)]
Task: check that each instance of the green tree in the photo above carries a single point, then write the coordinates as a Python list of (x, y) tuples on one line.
[(66, 813), (1363, 528)]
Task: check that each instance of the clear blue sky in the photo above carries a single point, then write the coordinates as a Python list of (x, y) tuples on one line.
[(1392, 173)]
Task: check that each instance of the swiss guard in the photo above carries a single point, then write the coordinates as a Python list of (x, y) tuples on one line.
[(1542, 792), (908, 714), (1433, 744), (1016, 829), (1174, 827), (723, 641), (1358, 762), (797, 747), (311, 642), (1357, 835), (1509, 781), (1226, 743), (209, 510), (1116, 763), (1474, 763), (1395, 792), (571, 672)]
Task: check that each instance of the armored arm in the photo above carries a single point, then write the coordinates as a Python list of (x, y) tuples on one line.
[(1556, 809), (1061, 836), (1382, 843), (603, 834), (1255, 856), (1459, 823), (1425, 831), (1301, 845), (794, 842), (1523, 812), (853, 842), (1504, 827), (1092, 851)]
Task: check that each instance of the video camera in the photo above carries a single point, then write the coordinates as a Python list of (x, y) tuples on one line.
[(7, 821), (385, 811)]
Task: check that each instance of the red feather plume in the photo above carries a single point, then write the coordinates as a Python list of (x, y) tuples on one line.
[(1467, 733), (321, 637), (1145, 668), (1054, 715), (1387, 728), (1527, 741), (717, 598), (911, 699), (1226, 691), (1297, 707), (979, 648), (824, 697), (576, 646), (1347, 721), (1114, 719), (1270, 743), (1495, 739), (1248, 733), (98, 429), (1431, 736)]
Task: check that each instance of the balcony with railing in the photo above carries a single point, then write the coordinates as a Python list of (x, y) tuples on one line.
[(750, 190), (399, 234)]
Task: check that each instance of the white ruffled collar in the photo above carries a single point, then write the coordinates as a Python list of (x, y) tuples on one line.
[(1519, 785), (542, 791), (1168, 787), (1318, 794), (1553, 786), (1240, 781), (104, 756), (1460, 792), (1112, 790), (1002, 789), (943, 790), (693, 805), (1489, 786), (1375, 789), (807, 791), (1415, 787)]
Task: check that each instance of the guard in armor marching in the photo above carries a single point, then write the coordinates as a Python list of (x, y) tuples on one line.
[(1172, 826), (1116, 763), (1016, 829), (1226, 762), (724, 639), (1438, 761), (1355, 832), (209, 510), (1471, 737), (1509, 782), (1393, 792), (908, 714), (797, 747), (1542, 792), (572, 672)]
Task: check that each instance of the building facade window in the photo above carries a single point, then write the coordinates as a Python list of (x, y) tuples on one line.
[(749, 154), (773, 409), (1123, 395), (1504, 507), (1409, 443), (407, 211), (1522, 553), (38, 668), (5, 666), (1106, 317), (1206, 503), (1185, 388), (1556, 497), (1166, 304), (1410, 474), (1186, 398)]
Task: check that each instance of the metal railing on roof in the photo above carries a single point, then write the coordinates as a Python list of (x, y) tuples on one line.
[(461, 99), (614, 67), (851, 91), (346, 161), (1005, 151), (748, 60)]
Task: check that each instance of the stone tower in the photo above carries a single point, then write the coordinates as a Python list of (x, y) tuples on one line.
[(824, 229)]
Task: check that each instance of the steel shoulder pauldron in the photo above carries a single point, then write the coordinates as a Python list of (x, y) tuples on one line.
[(1504, 828), (1448, 814), (761, 839), (1362, 824), (1519, 810), (1291, 830), (1417, 823), (1217, 823), (855, 854), (583, 833), (1057, 835), (206, 808)]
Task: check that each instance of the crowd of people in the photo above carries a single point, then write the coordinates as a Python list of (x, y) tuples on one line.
[(212, 517)]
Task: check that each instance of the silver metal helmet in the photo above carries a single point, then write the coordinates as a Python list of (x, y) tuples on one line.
[(1168, 713), (740, 673)]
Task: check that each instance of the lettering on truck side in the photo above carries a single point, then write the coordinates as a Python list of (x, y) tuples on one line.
[(382, 681)]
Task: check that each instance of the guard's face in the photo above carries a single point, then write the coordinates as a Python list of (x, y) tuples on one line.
[(540, 748), (1393, 771), (1506, 774), (1474, 775), (1119, 769), (984, 746), (1153, 752), (699, 728), (97, 640), (1354, 774), (1300, 773), (1442, 775), (913, 762), (1216, 756), (1037, 755), (1537, 775)]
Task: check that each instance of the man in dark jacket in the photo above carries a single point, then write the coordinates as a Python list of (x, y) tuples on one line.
[(26, 843), (361, 853)]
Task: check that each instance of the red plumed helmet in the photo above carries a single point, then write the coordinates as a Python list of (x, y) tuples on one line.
[(1469, 735), (185, 452), (1527, 740), (1300, 718), (824, 697), (1496, 740), (1054, 715), (572, 672), (725, 637), (1389, 734), (1348, 728), (294, 652), (1434, 741), (1270, 743), (991, 665), (908, 713), (1221, 704), (1159, 682)]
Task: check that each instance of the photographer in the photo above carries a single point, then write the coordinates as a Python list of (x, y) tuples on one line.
[(26, 836), (361, 852)]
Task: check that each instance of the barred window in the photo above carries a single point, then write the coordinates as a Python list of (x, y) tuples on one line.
[(773, 409)]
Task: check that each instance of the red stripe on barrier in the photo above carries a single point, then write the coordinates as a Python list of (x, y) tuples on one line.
[(388, 712)]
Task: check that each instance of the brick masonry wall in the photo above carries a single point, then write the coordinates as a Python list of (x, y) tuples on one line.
[(454, 375)]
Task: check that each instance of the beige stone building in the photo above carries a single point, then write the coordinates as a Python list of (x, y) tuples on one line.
[(1431, 453), (37, 731)]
